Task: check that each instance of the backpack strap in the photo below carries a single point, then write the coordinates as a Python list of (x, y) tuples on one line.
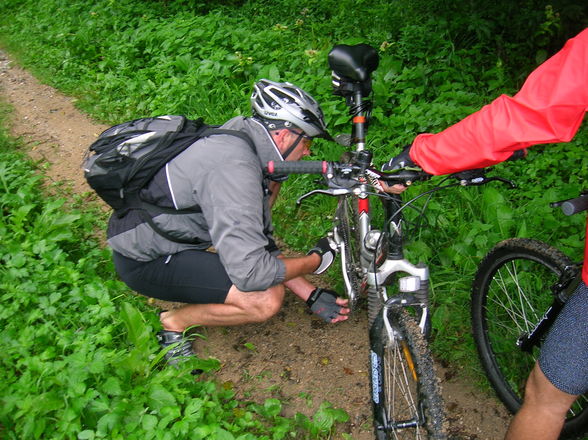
[(149, 220), (134, 201), (147, 210), (212, 130)]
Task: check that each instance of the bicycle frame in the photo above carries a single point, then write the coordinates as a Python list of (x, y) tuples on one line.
[(413, 289), (399, 356), (369, 240), (372, 260)]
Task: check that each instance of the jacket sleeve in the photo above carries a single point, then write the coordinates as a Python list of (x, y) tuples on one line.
[(233, 203), (549, 108)]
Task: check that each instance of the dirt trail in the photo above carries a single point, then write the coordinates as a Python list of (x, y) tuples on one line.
[(294, 357)]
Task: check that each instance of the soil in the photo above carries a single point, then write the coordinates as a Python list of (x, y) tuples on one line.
[(294, 356)]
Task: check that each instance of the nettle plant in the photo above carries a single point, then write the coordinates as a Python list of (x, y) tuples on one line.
[(439, 61)]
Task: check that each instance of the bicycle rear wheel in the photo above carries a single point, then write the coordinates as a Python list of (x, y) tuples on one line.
[(511, 293), (346, 223), (406, 397)]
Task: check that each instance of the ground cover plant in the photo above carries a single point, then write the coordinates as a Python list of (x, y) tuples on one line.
[(440, 61), (79, 360)]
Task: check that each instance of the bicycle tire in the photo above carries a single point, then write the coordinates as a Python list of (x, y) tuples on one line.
[(510, 294), (404, 386), (346, 218)]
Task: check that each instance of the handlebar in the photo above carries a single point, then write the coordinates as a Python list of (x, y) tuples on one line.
[(349, 172), (573, 206)]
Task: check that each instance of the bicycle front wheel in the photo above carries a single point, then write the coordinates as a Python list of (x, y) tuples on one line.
[(511, 293), (406, 395)]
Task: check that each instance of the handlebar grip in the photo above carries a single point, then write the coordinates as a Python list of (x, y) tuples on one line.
[(573, 206), (298, 167)]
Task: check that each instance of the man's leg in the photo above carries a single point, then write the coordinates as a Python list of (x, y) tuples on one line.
[(238, 308), (543, 412), (198, 279), (562, 365)]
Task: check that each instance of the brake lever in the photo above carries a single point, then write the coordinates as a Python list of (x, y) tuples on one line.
[(404, 177), (483, 180), (327, 192)]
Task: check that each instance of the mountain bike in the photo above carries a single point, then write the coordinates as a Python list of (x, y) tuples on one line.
[(405, 392), (519, 289)]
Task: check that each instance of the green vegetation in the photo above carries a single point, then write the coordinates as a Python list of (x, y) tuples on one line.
[(79, 357), (440, 61)]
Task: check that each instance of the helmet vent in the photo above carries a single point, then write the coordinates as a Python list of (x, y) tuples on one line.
[(288, 105)]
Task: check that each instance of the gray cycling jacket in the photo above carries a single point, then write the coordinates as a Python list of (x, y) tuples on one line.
[(223, 176)]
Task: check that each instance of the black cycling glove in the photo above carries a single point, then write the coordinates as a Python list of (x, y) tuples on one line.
[(322, 302), (327, 250), (402, 160)]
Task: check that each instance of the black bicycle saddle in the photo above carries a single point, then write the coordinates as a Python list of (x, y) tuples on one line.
[(353, 62)]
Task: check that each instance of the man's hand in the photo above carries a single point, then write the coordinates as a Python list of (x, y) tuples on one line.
[(401, 161), (326, 249), (397, 188), (326, 304)]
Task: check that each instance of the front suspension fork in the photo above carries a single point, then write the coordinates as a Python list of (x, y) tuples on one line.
[(413, 289)]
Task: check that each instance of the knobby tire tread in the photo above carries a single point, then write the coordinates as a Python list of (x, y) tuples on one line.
[(429, 389)]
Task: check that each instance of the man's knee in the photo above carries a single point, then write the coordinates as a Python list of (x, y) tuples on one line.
[(535, 383), (261, 306), (541, 393), (271, 305)]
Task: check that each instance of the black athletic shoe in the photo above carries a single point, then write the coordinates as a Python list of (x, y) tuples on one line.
[(183, 349)]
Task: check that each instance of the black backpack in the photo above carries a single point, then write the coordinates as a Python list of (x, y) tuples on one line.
[(127, 156)]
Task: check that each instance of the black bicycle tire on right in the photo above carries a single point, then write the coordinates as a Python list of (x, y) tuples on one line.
[(427, 384), (506, 381)]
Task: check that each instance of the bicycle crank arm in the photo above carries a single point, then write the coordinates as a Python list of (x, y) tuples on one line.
[(351, 294)]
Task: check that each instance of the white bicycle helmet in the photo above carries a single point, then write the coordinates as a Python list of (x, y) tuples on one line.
[(281, 105)]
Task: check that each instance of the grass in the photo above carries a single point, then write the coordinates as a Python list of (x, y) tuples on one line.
[(439, 61)]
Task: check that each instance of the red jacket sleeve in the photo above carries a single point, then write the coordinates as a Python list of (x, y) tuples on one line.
[(548, 108)]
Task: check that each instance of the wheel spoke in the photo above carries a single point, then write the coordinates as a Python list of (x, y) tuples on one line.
[(519, 307), (409, 397)]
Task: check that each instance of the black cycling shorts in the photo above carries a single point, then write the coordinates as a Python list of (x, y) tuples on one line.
[(564, 355), (191, 276)]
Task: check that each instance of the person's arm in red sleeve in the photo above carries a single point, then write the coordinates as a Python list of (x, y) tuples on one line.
[(548, 108)]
